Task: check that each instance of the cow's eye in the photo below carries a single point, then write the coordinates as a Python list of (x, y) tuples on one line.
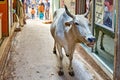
[(76, 23)]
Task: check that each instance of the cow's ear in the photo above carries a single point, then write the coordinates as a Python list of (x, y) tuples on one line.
[(68, 23)]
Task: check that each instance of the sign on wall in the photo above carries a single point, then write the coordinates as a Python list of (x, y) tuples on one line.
[(104, 14)]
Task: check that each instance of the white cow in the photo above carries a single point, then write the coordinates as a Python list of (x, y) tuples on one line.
[(67, 30)]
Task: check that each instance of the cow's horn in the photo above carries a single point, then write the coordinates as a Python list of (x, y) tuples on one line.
[(86, 14), (89, 6), (68, 13)]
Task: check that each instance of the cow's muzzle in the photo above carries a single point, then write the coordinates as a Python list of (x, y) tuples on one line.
[(91, 42), (91, 39)]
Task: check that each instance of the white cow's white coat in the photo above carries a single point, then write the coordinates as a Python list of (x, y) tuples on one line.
[(67, 31)]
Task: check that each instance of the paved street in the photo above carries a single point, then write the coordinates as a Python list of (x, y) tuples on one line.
[(32, 57)]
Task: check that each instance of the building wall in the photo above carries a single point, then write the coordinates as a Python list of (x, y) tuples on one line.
[(10, 15), (7, 32), (4, 11), (0, 26), (55, 4)]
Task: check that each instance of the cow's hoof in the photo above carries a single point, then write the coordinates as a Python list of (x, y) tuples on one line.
[(60, 73), (72, 74), (54, 52), (67, 55)]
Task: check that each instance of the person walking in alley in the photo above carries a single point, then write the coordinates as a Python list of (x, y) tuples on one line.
[(41, 10), (33, 13), (20, 12), (26, 3), (33, 3), (47, 8)]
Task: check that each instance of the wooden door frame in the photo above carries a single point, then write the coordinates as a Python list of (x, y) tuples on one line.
[(80, 7), (117, 43)]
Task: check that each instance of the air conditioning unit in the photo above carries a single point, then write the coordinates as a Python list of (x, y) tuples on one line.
[(0, 25)]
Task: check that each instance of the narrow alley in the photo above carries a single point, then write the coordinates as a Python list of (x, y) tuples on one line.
[(32, 58), (89, 28)]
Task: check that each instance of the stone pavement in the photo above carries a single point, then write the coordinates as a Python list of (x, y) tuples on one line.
[(32, 57)]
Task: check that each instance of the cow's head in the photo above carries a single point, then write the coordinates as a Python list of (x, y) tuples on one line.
[(80, 28)]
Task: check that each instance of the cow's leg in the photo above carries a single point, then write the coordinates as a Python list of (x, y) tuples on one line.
[(66, 50), (71, 72), (60, 72), (54, 49), (70, 53)]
